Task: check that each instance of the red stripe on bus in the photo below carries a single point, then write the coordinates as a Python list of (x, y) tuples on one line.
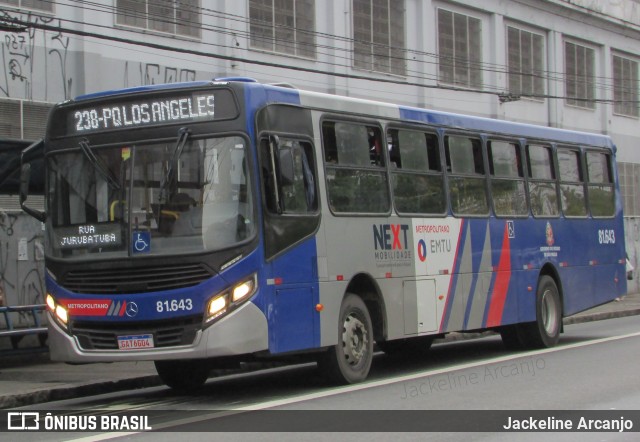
[(501, 285)]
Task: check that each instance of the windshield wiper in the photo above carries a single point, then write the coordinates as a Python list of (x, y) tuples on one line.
[(183, 136), (98, 164)]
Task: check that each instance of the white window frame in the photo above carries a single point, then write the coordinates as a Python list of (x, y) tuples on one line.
[(301, 41), (20, 4), (173, 22), (380, 56), (585, 95), (627, 93), (474, 75), (535, 75)]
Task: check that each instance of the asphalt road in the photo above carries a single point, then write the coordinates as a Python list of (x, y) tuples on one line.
[(595, 367)]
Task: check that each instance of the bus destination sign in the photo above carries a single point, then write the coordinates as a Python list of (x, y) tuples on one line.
[(88, 236), (149, 111)]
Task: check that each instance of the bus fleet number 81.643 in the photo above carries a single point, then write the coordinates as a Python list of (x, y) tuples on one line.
[(174, 305)]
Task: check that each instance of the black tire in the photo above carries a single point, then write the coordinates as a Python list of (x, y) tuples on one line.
[(411, 347), (185, 375), (545, 331), (349, 361)]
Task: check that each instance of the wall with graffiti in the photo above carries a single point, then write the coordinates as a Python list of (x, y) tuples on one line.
[(47, 65), (52, 66), (35, 63), (21, 262)]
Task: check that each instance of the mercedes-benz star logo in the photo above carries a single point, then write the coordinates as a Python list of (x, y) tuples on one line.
[(132, 309)]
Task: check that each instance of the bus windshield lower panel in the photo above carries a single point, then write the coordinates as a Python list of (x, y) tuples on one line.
[(188, 196)]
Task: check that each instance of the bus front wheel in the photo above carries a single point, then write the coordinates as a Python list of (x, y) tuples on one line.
[(184, 375), (349, 361), (545, 331)]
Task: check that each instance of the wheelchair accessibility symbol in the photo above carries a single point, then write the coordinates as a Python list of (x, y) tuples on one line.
[(141, 242)]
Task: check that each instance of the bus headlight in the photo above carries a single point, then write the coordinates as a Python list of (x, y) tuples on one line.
[(217, 306), (244, 289), (58, 311), (62, 315), (231, 298), (51, 303)]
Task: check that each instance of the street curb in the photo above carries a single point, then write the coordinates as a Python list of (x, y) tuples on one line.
[(579, 319), (75, 391)]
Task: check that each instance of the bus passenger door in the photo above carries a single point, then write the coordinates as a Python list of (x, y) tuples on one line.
[(290, 220)]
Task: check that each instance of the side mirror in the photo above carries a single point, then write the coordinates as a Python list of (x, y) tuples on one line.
[(25, 177), (30, 153)]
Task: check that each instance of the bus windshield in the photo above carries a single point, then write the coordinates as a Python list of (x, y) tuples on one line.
[(179, 196)]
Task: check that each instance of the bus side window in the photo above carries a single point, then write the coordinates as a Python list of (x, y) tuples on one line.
[(466, 175), (298, 191), (354, 162), (571, 183), (543, 188), (418, 182), (507, 179), (600, 179), (291, 188)]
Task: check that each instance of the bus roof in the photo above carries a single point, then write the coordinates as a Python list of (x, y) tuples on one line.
[(271, 94), (451, 120)]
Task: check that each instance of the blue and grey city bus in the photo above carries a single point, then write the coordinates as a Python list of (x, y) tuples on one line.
[(204, 224)]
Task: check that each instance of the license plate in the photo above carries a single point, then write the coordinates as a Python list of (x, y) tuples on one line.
[(135, 342)]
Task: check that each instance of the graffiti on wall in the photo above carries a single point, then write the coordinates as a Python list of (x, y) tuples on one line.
[(34, 62), (21, 260), (144, 74)]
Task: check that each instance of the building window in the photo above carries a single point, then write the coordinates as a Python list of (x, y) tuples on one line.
[(526, 62), (459, 49), (285, 26), (378, 31), (39, 5), (629, 178), (625, 86), (23, 119), (579, 75), (180, 17)]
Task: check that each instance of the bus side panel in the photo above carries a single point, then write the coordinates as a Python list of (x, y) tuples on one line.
[(293, 293)]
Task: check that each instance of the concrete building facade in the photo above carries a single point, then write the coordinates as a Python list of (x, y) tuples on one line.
[(563, 63)]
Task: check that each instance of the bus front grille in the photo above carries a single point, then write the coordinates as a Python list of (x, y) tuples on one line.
[(166, 333), (135, 280)]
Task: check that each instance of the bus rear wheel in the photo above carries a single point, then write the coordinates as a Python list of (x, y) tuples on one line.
[(185, 375), (349, 361), (545, 331)]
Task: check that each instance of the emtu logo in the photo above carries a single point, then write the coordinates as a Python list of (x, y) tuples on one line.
[(391, 236)]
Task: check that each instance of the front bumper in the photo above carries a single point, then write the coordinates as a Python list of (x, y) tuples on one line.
[(243, 331)]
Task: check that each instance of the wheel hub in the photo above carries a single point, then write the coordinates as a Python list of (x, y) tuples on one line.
[(549, 313), (354, 340)]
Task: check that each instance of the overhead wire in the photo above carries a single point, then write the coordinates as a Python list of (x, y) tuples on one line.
[(201, 11), (236, 33)]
